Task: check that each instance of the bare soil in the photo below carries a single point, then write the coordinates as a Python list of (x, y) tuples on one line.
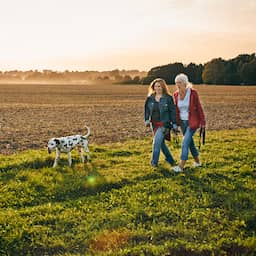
[(31, 114)]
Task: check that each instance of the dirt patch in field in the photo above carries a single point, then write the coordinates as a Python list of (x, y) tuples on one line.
[(110, 240), (32, 114)]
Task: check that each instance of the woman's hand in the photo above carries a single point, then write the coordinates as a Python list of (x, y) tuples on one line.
[(147, 123), (175, 129)]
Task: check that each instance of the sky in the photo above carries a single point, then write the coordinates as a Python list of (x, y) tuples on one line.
[(124, 34)]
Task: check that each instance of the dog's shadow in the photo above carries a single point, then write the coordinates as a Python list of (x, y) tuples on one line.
[(38, 164)]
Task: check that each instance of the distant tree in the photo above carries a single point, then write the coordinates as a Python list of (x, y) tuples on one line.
[(35, 75), (53, 75), (147, 79), (231, 73), (248, 72), (194, 72), (114, 73), (214, 72), (136, 80), (118, 78), (241, 59), (127, 80), (167, 72)]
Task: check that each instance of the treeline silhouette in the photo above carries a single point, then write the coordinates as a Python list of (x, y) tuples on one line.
[(236, 71), (240, 70), (113, 76)]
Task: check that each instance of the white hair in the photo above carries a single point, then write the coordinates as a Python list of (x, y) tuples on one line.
[(184, 79)]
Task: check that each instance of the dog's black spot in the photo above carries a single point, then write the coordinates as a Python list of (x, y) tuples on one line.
[(57, 141)]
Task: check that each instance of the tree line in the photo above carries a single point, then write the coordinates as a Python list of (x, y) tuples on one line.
[(237, 71), (240, 70), (113, 76)]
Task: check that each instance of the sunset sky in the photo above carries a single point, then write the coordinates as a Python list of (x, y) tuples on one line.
[(134, 34)]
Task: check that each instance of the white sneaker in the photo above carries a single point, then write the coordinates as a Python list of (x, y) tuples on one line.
[(177, 169), (197, 164)]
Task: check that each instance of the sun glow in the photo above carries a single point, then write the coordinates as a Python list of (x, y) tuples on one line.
[(83, 34)]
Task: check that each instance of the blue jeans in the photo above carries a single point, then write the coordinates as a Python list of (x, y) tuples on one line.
[(187, 142), (159, 144)]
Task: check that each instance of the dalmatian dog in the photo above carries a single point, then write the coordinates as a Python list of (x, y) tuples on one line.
[(67, 144)]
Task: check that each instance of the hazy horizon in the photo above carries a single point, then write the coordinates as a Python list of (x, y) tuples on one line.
[(85, 35)]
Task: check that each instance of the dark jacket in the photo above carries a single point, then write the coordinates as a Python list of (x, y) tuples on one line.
[(196, 116), (166, 108)]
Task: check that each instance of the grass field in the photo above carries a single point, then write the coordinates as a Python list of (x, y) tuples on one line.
[(32, 114), (118, 205)]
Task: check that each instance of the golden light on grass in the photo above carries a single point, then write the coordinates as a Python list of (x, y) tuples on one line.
[(110, 240)]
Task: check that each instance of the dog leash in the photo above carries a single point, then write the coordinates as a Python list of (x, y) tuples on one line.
[(201, 137), (176, 139)]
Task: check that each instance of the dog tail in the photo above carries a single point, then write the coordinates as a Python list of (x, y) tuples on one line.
[(88, 132)]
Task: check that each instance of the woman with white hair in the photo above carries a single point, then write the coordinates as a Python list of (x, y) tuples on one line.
[(189, 116)]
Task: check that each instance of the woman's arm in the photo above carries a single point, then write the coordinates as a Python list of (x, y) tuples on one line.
[(146, 111), (172, 111)]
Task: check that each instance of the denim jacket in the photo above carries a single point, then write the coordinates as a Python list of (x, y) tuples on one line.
[(166, 108)]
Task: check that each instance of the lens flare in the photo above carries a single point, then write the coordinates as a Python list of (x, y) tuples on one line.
[(91, 180)]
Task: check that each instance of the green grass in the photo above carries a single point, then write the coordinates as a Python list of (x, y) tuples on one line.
[(119, 205)]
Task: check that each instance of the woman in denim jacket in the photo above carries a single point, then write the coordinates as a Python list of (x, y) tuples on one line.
[(189, 116), (160, 114)]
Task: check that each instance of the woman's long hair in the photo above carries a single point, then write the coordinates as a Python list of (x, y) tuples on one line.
[(151, 89)]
